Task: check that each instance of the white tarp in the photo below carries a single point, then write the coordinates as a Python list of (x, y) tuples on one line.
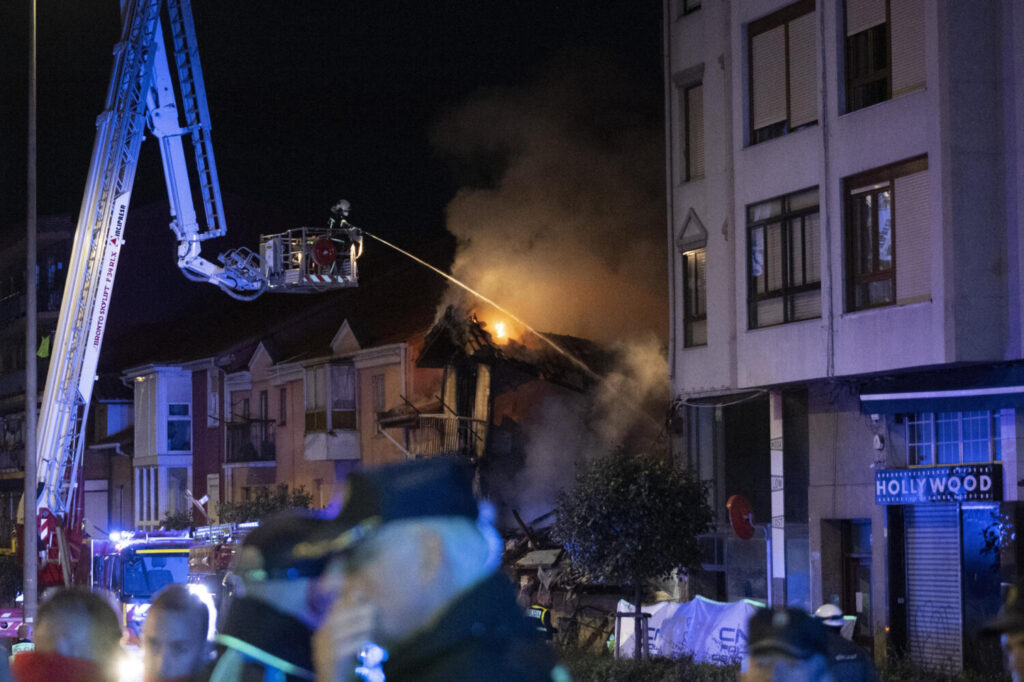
[(710, 631)]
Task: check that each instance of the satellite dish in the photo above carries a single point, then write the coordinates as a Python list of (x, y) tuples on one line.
[(741, 517)]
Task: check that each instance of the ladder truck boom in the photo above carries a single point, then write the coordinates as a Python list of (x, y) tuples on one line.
[(144, 91)]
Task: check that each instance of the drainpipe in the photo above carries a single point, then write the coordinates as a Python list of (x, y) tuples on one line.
[(824, 193), (669, 186)]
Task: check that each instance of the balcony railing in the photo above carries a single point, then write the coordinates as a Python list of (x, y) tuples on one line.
[(438, 434), (251, 441)]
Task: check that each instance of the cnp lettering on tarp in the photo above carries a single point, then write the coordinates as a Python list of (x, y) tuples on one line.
[(960, 483), (710, 631)]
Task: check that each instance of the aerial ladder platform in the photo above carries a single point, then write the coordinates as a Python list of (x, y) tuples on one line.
[(156, 83)]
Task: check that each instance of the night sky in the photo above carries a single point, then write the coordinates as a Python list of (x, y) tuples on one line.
[(314, 100)]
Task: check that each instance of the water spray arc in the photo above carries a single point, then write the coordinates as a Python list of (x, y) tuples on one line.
[(572, 358)]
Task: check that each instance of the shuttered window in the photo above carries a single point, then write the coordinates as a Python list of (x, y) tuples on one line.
[(907, 18), (693, 125), (888, 236), (884, 50), (864, 14), (783, 51), (913, 246), (803, 71)]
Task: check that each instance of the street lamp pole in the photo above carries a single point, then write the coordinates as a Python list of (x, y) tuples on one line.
[(30, 541)]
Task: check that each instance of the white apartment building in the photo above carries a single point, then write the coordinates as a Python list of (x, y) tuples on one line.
[(847, 331)]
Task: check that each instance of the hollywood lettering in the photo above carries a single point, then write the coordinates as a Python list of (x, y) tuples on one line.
[(967, 482)]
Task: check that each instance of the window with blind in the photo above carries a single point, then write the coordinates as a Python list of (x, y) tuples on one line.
[(330, 397), (936, 438), (784, 255), (884, 50), (888, 242), (693, 131), (783, 51), (695, 313)]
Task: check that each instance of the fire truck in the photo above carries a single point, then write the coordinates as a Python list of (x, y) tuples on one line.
[(133, 567), (156, 84), (210, 558)]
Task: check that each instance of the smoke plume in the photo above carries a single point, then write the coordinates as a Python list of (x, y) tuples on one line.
[(561, 219)]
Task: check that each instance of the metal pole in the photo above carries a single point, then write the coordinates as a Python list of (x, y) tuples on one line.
[(30, 537)]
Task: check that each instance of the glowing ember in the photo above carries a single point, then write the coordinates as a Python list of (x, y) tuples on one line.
[(499, 330)]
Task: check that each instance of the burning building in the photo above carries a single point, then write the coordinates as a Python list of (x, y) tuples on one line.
[(524, 410)]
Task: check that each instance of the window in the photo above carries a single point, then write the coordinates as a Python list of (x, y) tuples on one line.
[(884, 50), (330, 397), (953, 438), (783, 71), (282, 407), (693, 132), (695, 315), (212, 398), (784, 250), (888, 218), (379, 396), (179, 428)]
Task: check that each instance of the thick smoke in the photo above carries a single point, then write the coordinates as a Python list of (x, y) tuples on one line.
[(562, 221), (626, 410)]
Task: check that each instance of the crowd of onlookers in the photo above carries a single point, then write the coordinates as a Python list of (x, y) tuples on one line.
[(402, 585)]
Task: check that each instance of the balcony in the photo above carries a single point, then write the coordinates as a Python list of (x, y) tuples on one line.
[(438, 434), (251, 441)]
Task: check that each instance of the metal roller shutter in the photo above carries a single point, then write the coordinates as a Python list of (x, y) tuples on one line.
[(934, 609)]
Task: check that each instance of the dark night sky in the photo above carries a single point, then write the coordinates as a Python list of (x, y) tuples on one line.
[(310, 100), (316, 100)]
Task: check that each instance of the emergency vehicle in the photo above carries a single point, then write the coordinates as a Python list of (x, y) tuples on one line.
[(133, 568)]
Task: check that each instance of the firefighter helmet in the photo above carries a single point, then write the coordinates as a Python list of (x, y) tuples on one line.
[(830, 615)]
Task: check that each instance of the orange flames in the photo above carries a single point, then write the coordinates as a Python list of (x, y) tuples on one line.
[(501, 330)]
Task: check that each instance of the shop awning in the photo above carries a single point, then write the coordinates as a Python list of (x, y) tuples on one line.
[(954, 390)]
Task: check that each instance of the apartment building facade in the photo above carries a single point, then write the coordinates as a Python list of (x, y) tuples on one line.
[(281, 410), (844, 187)]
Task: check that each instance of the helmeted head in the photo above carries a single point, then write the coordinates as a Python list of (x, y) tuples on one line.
[(785, 645), (830, 616), (271, 573)]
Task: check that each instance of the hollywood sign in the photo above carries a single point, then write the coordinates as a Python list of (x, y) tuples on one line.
[(960, 483)]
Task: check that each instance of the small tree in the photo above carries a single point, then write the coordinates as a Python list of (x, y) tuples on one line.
[(632, 518), (264, 503)]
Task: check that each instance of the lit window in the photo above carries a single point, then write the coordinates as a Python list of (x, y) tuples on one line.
[(953, 438), (695, 314)]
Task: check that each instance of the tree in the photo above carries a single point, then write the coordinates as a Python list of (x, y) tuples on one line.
[(632, 518), (264, 503)]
